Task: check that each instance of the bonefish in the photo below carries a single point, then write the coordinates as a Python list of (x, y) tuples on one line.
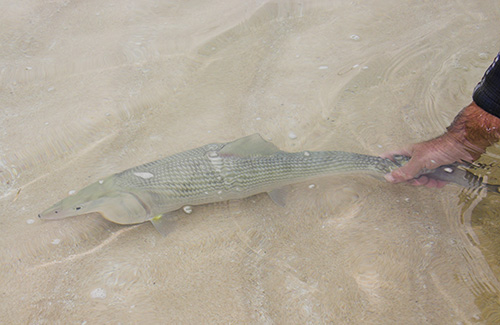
[(219, 172)]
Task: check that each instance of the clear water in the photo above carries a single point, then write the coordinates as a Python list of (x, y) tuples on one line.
[(90, 88)]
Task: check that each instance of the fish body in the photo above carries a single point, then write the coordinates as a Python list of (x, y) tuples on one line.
[(211, 173)]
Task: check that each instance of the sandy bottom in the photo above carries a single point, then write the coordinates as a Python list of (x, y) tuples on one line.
[(91, 88)]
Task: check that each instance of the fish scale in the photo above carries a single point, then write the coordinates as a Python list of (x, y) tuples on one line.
[(219, 172), (203, 175)]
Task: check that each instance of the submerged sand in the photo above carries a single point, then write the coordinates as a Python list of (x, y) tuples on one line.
[(91, 88)]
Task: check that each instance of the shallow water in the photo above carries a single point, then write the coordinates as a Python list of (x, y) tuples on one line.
[(91, 88)]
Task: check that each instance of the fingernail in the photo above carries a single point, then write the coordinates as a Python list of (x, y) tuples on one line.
[(389, 178)]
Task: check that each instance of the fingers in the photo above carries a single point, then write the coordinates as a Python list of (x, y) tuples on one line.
[(421, 181), (430, 154), (405, 173), (427, 182), (396, 176)]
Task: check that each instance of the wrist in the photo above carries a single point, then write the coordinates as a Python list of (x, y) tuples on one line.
[(475, 128)]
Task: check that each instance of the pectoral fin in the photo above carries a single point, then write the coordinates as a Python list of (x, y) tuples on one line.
[(125, 209)]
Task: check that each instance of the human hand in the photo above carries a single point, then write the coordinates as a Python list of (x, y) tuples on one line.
[(431, 154), (471, 132)]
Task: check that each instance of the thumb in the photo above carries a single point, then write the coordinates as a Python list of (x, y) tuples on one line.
[(406, 172)]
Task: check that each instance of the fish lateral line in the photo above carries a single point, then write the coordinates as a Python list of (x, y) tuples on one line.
[(224, 171)]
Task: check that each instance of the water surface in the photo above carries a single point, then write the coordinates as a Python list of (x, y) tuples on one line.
[(91, 88)]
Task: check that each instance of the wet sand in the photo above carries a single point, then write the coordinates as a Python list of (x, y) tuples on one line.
[(90, 88)]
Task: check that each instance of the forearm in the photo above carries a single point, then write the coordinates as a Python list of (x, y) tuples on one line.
[(475, 128), (478, 125)]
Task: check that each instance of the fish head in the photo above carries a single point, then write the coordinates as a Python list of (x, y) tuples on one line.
[(114, 205)]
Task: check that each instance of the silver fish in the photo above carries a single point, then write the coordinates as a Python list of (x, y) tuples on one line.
[(212, 173)]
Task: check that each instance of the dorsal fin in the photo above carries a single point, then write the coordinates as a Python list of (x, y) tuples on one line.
[(249, 146)]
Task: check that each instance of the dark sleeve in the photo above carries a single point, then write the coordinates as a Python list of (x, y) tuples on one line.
[(487, 92)]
